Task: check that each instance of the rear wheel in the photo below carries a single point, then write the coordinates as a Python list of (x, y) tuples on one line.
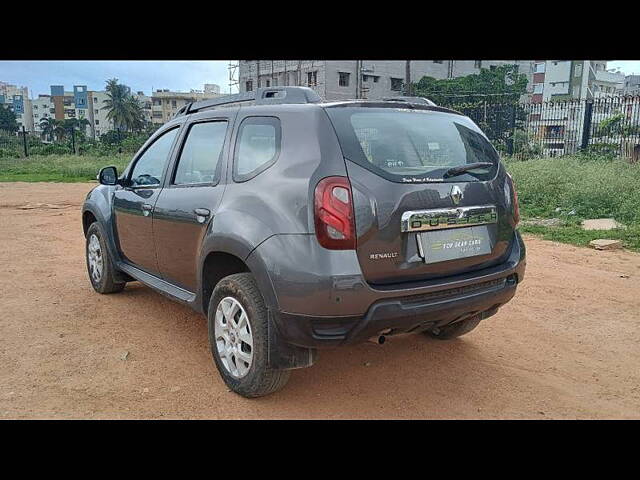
[(99, 264), (238, 336), (455, 329)]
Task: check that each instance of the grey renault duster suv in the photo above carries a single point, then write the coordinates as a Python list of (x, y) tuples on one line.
[(294, 225)]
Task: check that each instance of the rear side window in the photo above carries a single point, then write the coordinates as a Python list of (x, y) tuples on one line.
[(412, 145), (200, 156), (257, 147)]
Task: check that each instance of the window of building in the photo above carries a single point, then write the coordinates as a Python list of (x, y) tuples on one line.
[(312, 78), (477, 64), (257, 147), (538, 87), (343, 81), (396, 84), (35, 107), (375, 79), (95, 99), (248, 85), (201, 153), (97, 122), (492, 67), (268, 83), (173, 104), (578, 70), (149, 167)]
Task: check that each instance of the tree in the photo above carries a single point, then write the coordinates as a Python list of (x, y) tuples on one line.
[(123, 109), (48, 126), (8, 120), (503, 84)]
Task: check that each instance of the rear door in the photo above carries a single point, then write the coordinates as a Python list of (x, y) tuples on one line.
[(413, 222), (187, 205)]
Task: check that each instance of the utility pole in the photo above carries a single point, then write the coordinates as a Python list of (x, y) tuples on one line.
[(407, 78), (257, 73), (358, 68)]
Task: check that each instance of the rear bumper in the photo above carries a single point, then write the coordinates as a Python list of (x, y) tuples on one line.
[(409, 311)]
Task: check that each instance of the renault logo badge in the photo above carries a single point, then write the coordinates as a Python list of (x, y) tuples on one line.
[(456, 194)]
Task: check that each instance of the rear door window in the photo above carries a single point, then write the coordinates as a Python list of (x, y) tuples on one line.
[(257, 147), (200, 156), (404, 145)]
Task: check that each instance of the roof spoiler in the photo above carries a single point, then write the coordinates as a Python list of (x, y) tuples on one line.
[(262, 96), (420, 100)]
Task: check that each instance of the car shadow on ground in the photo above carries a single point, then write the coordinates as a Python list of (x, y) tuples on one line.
[(408, 376)]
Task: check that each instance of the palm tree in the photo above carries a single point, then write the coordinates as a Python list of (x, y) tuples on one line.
[(48, 126), (124, 110)]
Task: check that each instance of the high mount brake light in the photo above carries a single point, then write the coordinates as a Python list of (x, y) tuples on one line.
[(333, 212)]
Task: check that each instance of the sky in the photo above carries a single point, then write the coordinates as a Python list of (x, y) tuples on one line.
[(144, 75), (139, 75)]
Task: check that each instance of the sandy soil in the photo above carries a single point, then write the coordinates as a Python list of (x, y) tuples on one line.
[(567, 346)]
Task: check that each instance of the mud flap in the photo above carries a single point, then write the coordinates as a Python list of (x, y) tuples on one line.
[(284, 356)]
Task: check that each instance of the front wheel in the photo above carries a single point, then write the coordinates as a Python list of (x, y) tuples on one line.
[(99, 263), (238, 336)]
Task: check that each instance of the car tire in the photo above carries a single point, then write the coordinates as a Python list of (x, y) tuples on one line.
[(99, 263), (455, 329), (238, 336)]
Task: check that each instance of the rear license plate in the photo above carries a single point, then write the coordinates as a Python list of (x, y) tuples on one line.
[(455, 243)]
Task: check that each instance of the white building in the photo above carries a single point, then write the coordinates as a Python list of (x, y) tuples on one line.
[(350, 79)]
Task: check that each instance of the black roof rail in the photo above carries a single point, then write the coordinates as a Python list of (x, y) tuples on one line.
[(422, 100), (262, 96)]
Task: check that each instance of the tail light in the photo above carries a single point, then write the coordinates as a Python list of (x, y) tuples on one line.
[(514, 201), (333, 211)]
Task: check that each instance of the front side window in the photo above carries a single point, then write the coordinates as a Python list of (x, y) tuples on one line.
[(201, 154), (257, 146), (150, 166), (409, 146)]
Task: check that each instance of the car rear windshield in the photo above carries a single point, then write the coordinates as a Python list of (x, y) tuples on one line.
[(404, 145)]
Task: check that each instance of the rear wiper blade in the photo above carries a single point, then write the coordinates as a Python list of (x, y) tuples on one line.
[(452, 172)]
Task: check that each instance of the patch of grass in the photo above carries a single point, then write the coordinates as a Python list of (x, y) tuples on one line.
[(58, 168), (586, 187)]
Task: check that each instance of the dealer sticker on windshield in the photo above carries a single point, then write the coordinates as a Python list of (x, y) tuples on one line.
[(455, 243)]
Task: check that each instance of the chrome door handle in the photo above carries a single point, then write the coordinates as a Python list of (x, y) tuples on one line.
[(146, 209), (202, 212)]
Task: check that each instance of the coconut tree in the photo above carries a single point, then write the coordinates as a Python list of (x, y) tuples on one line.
[(116, 103), (48, 126)]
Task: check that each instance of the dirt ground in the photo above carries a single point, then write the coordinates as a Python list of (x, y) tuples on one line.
[(567, 346)]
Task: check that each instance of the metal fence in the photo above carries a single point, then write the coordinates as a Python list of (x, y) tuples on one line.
[(606, 125), (24, 144)]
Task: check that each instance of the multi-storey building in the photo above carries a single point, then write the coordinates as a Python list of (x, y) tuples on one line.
[(17, 99), (351, 79), (574, 79), (632, 85), (165, 103)]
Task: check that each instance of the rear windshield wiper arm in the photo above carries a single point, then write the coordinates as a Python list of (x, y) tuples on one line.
[(452, 172)]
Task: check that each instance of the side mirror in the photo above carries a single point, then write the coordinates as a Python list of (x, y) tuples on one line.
[(108, 176)]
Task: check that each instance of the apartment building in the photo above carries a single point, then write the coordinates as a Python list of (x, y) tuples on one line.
[(17, 99), (632, 85), (165, 103), (339, 79), (574, 79)]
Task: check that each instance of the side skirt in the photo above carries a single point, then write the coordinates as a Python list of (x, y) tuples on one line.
[(161, 286)]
